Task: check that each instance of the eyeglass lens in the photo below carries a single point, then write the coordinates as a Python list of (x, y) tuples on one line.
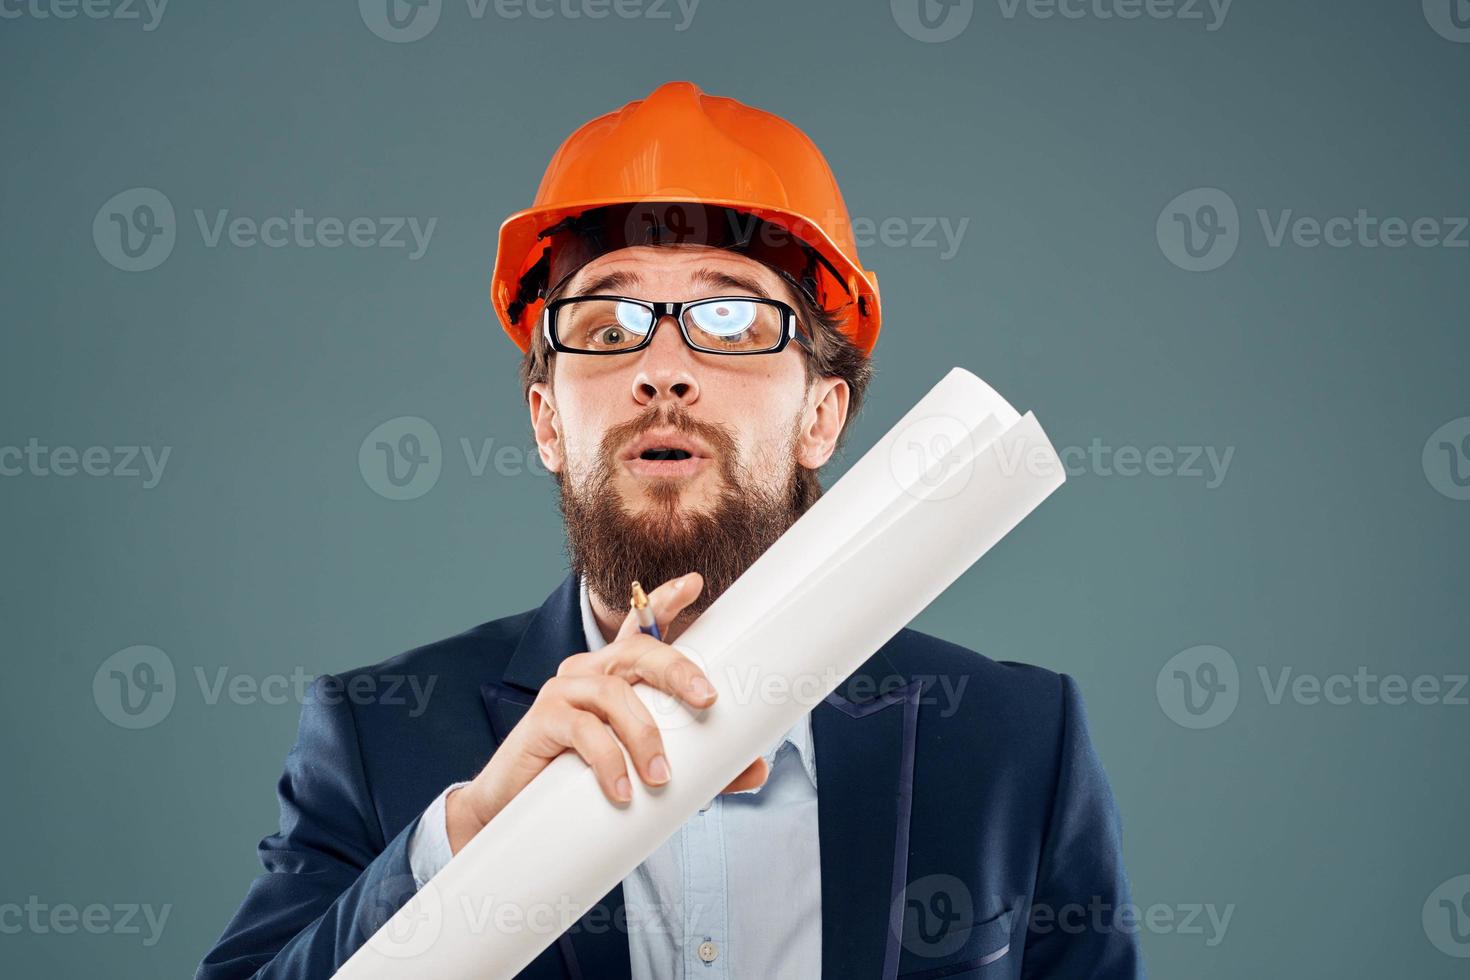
[(738, 325)]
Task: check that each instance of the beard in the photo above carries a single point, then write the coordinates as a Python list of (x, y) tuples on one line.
[(612, 546)]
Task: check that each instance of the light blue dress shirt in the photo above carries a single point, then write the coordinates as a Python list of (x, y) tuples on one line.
[(736, 892)]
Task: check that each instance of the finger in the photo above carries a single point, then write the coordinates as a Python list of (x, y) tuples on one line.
[(590, 739), (579, 663), (666, 601), (643, 659), (671, 598), (612, 699), (754, 777)]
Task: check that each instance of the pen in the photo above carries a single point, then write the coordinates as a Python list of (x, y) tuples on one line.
[(646, 623)]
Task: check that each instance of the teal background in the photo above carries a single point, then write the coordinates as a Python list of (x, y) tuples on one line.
[(263, 550)]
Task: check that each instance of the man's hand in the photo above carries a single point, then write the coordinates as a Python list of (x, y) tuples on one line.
[(573, 710)]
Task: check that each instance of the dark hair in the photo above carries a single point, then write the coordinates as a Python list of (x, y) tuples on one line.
[(832, 354)]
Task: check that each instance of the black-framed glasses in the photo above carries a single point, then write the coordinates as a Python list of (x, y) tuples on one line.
[(717, 325)]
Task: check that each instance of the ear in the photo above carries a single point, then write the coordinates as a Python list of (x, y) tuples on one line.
[(544, 424), (821, 423)]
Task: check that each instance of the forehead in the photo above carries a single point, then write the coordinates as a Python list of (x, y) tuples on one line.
[(674, 272)]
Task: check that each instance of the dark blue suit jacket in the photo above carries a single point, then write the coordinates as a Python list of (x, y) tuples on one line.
[(967, 838)]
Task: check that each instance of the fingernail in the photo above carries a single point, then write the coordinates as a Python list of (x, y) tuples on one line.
[(659, 769), (623, 789), (701, 688)]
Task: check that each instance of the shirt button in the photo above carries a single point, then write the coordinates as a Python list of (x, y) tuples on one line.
[(708, 951)]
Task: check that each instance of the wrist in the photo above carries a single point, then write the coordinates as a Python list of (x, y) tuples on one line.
[(464, 816), (460, 822)]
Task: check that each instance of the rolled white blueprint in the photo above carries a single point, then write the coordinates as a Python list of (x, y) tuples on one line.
[(947, 482)]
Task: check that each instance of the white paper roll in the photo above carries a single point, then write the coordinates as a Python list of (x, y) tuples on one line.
[(936, 492)]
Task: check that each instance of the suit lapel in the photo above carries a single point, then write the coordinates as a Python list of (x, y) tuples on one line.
[(865, 768), (596, 946)]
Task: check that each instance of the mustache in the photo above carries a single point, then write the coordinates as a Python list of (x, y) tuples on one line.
[(717, 437)]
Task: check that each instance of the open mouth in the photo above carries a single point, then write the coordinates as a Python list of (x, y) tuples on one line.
[(665, 453)]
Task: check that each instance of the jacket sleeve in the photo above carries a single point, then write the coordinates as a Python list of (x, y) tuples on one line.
[(330, 877), (1082, 924)]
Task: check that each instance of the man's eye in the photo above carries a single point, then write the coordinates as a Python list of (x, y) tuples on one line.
[(610, 335)]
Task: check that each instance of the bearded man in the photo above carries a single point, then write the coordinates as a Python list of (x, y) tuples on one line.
[(696, 335)]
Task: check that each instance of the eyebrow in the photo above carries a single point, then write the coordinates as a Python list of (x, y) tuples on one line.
[(618, 282), (724, 280), (625, 281)]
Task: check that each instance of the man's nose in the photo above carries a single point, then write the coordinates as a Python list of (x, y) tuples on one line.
[(666, 368)]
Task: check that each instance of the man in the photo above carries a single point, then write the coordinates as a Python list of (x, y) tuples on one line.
[(696, 332)]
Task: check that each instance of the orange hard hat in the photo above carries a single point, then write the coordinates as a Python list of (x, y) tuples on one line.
[(683, 166)]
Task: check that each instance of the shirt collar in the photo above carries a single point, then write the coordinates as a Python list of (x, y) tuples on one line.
[(799, 734)]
